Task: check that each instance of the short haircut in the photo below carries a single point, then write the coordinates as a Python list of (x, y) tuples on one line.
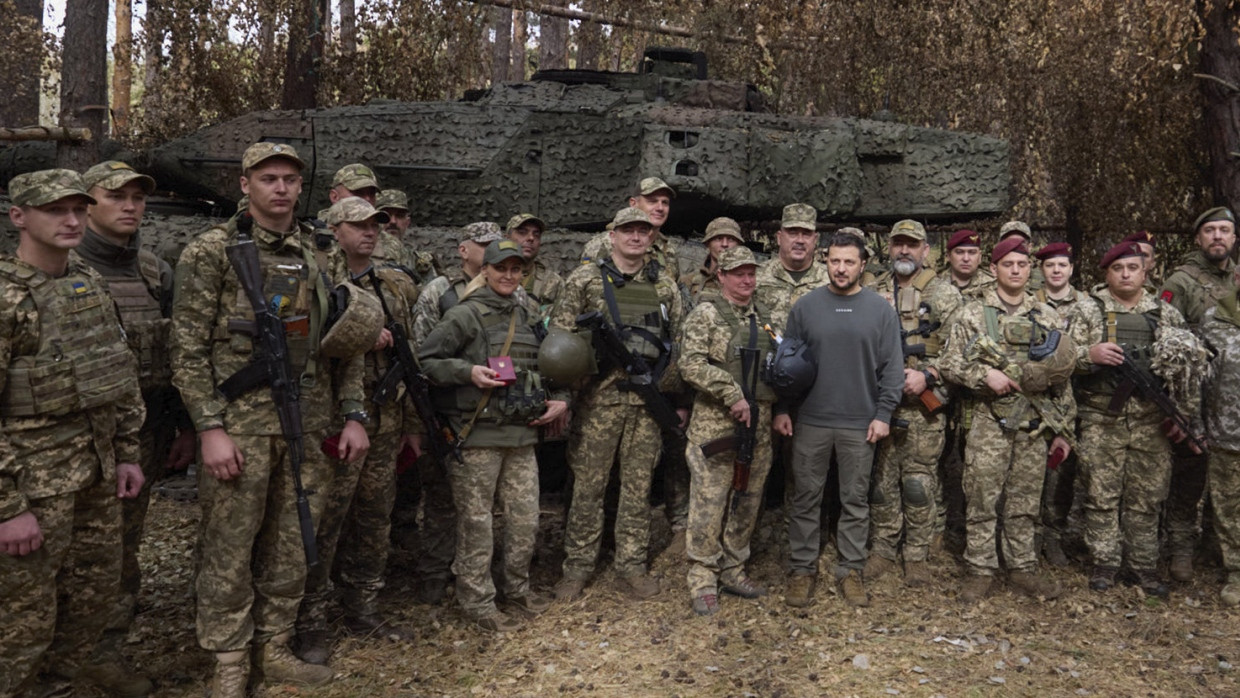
[(845, 240)]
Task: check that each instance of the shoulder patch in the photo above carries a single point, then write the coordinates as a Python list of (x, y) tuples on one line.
[(1167, 295)]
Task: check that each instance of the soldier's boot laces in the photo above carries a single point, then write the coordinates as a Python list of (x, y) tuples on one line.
[(744, 587), (497, 622), (1035, 585), (280, 665), (705, 604), (916, 574), (677, 547), (877, 566), (1181, 567), (853, 589), (232, 672), (1052, 552), (115, 679), (976, 588)]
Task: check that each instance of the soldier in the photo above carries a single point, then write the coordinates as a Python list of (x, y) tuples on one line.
[(990, 342), (354, 528), (721, 234), (905, 472), (724, 327), (497, 417), (70, 413), (1125, 454), (653, 196), (639, 298), (542, 285), (360, 181), (1221, 330), (253, 573), (1145, 240), (855, 339), (963, 274), (395, 204), (1194, 287), (793, 272)]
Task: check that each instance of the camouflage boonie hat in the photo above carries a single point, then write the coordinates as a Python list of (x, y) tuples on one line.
[(353, 209), (908, 229), (650, 185), (734, 257), (1015, 227), (723, 226), (521, 219), (629, 214), (392, 198), (355, 177), (801, 216), (46, 186), (265, 151), (482, 232), (114, 174), (500, 250)]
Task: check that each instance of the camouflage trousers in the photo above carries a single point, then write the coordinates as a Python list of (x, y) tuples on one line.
[(56, 601), (905, 486), (1224, 478), (352, 535), (599, 432), (1184, 501), (438, 534), (676, 484), (1126, 470), (253, 568), (511, 475), (1007, 464), (721, 521)]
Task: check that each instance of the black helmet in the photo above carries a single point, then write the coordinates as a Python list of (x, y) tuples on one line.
[(790, 370), (565, 357)]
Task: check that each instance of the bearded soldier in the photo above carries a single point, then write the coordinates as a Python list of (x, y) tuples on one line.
[(395, 204)]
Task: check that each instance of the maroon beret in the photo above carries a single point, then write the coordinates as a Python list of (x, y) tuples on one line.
[(1144, 236), (964, 238), (1054, 249), (1008, 245), (1123, 249)]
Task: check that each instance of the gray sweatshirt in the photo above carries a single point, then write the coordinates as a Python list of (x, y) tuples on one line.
[(856, 344)]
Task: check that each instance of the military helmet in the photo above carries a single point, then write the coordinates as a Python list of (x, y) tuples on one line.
[(354, 323), (790, 370), (1051, 362), (565, 357)]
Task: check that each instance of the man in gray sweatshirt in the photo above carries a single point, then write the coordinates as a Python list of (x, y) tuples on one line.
[(854, 337)]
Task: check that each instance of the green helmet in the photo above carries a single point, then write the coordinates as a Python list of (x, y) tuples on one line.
[(565, 357)]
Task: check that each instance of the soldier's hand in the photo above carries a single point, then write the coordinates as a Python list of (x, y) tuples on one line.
[(1060, 442), (683, 413), (182, 452), (414, 442), (878, 431), (220, 456), (484, 377), (782, 424), (1000, 383), (354, 443), (129, 480), (1106, 354), (555, 410), (740, 411), (914, 382), (20, 535), (384, 341)]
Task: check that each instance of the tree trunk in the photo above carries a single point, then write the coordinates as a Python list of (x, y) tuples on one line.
[(153, 56), (501, 50), (553, 40), (589, 40), (518, 46), (1220, 60), (122, 68), (305, 53), (348, 27), (20, 107), (83, 80)]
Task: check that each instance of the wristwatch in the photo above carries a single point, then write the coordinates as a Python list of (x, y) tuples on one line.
[(931, 381), (361, 417)]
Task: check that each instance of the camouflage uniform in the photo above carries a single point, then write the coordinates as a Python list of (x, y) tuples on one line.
[(905, 480), (701, 281), (1003, 458), (253, 567), (1193, 288), (1221, 330), (542, 288), (718, 535), (608, 419), (665, 250), (1125, 458), (778, 291)]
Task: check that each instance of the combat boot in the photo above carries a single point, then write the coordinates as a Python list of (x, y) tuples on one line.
[(314, 646), (115, 679), (877, 566), (1052, 552), (1151, 583), (800, 590), (1181, 568), (677, 547), (916, 574), (568, 589), (976, 588), (1035, 585), (232, 672), (279, 665), (642, 586), (529, 604), (1102, 578), (853, 589), (431, 591)]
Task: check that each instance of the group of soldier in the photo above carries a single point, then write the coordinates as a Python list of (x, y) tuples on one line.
[(312, 367)]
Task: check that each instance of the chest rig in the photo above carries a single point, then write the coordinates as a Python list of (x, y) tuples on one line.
[(1134, 332), (919, 324), (637, 311), (147, 330), (513, 404), (82, 351), (746, 333), (290, 288)]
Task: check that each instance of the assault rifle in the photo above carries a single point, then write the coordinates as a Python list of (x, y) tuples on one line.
[(641, 378), (746, 436), (403, 367), (1135, 380), (924, 328), (270, 366)]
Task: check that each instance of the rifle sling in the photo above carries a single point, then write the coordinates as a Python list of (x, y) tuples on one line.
[(486, 394)]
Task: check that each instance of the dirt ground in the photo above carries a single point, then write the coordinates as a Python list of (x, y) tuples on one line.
[(918, 643)]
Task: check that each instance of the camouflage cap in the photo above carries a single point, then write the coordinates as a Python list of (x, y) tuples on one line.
[(1015, 228), (355, 177), (650, 185), (482, 232), (392, 198), (855, 232), (114, 174), (521, 219), (908, 229), (723, 226), (499, 250), (353, 209), (801, 216), (265, 151), (629, 214), (46, 186), (734, 257), (1218, 213)]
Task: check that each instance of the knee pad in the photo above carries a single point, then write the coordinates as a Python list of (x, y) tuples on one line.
[(915, 491)]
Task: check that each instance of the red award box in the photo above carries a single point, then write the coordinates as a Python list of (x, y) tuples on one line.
[(502, 365)]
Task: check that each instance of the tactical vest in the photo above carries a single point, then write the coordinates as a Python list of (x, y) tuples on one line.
[(1132, 331), (514, 404), (82, 352), (642, 313), (146, 328), (918, 321), (739, 339), (291, 291), (1215, 287)]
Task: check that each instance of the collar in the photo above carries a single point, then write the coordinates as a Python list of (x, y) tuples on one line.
[(95, 246)]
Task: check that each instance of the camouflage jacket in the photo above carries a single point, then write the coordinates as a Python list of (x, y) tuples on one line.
[(778, 291), (542, 288), (426, 312), (43, 455), (948, 297), (1221, 331), (665, 250), (399, 294), (701, 280), (1196, 285), (205, 351)]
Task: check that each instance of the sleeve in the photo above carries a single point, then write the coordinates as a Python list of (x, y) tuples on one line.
[(1183, 296), (426, 310), (672, 383), (440, 353), (130, 414), (12, 501), (954, 367), (695, 366), (199, 280), (891, 366), (1086, 331)]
